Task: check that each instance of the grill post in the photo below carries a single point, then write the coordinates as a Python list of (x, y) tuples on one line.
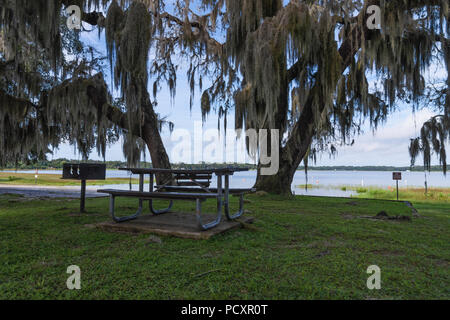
[(83, 197)]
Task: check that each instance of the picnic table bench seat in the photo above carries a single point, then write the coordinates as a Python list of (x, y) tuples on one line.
[(159, 195), (234, 191)]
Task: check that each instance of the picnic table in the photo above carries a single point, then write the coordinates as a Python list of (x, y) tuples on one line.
[(189, 185)]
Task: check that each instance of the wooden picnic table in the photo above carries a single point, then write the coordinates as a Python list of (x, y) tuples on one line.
[(186, 184)]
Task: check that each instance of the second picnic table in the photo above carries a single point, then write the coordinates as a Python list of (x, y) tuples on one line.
[(186, 184)]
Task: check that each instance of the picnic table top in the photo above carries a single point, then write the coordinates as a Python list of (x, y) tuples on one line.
[(185, 171)]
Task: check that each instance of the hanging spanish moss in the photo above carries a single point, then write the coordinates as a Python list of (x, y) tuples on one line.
[(128, 36), (82, 120), (42, 106), (435, 133)]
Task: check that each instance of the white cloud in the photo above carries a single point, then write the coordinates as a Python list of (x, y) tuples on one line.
[(387, 146), (406, 128)]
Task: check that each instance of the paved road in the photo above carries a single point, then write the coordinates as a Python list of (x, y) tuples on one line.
[(48, 192)]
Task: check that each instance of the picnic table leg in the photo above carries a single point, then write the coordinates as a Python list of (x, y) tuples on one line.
[(152, 209), (123, 219), (212, 224), (141, 189), (219, 208), (220, 192), (227, 204)]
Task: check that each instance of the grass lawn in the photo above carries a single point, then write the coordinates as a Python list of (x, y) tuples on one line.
[(13, 178), (298, 248), (412, 194), (390, 193)]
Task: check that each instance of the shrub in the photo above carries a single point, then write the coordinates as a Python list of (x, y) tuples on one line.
[(361, 190)]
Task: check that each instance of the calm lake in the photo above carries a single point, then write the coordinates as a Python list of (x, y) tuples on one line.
[(325, 180)]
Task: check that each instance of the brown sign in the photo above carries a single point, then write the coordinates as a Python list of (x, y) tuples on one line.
[(397, 176)]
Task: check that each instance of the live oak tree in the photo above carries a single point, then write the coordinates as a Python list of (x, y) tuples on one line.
[(338, 71), (316, 71), (312, 69)]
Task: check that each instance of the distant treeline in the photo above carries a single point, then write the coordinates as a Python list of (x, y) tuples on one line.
[(58, 164)]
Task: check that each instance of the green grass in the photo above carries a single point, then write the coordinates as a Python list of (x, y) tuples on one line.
[(12, 178), (389, 193), (310, 186), (298, 248), (411, 194)]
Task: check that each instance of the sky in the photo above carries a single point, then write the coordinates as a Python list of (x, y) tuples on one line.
[(388, 146)]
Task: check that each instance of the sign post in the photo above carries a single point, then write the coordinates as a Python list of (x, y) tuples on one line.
[(397, 176)]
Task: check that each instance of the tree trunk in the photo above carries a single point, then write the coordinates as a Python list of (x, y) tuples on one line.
[(290, 155), (152, 138), (297, 146), (281, 182), (302, 134)]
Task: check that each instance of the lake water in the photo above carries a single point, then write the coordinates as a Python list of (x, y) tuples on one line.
[(326, 180)]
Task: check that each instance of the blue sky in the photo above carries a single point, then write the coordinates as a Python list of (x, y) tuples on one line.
[(387, 146)]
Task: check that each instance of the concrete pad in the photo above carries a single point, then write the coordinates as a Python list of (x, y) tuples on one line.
[(182, 225)]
